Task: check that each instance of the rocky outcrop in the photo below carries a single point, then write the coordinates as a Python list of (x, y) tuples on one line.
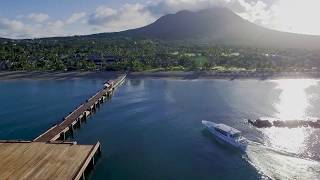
[(259, 123)]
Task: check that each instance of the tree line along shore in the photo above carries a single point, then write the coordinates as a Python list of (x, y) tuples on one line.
[(136, 55)]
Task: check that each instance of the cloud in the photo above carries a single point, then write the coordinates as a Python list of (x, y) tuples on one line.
[(38, 17), (108, 19), (102, 15), (257, 12), (39, 26), (172, 6), (126, 17), (285, 15), (295, 16), (6, 24), (17, 29), (75, 17)]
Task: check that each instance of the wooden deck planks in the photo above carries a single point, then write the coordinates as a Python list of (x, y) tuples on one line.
[(87, 161), (43, 160), (37, 160)]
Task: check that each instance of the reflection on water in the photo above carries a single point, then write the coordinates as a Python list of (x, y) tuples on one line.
[(292, 105), (294, 99), (290, 140), (288, 145), (151, 129)]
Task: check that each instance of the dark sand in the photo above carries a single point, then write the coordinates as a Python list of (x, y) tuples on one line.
[(230, 76), (14, 75)]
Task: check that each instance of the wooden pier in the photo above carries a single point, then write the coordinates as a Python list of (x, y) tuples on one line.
[(79, 115), (49, 156), (38, 160)]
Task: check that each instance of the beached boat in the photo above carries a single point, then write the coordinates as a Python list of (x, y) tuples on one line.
[(226, 133)]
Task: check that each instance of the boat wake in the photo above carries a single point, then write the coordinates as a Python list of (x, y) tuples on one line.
[(277, 164)]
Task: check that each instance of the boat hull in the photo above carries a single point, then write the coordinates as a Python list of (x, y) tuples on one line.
[(210, 126)]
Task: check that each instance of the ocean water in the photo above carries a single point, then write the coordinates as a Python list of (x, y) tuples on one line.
[(29, 107), (151, 128)]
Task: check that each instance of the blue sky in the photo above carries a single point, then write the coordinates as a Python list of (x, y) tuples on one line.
[(57, 8), (45, 18)]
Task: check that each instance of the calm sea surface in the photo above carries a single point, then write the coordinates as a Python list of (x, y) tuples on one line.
[(151, 129)]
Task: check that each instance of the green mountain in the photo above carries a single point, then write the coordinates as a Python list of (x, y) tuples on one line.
[(217, 26)]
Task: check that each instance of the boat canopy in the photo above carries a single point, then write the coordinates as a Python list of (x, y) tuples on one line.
[(227, 129)]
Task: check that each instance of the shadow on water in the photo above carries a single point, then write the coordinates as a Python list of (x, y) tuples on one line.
[(135, 82)]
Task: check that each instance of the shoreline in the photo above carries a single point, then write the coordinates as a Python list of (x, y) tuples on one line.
[(40, 75), (226, 76), (56, 75)]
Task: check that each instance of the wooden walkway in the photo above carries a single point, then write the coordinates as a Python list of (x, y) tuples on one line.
[(47, 158), (58, 132), (38, 160)]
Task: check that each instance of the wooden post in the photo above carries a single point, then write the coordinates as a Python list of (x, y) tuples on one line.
[(63, 134), (85, 117), (71, 128), (87, 163), (79, 121), (99, 151)]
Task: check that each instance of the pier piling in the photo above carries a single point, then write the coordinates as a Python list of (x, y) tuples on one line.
[(79, 115), (47, 147)]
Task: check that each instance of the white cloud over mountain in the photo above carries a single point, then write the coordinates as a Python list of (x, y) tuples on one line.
[(126, 17), (38, 17), (76, 17), (295, 16), (285, 15)]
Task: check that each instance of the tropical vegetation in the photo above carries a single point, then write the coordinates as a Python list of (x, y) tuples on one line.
[(127, 54)]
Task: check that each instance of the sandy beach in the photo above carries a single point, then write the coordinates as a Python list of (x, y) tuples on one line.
[(230, 76), (14, 75)]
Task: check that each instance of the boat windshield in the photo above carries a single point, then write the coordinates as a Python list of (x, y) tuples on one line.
[(235, 136), (221, 131)]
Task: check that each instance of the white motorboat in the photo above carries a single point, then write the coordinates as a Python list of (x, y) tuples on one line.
[(226, 133)]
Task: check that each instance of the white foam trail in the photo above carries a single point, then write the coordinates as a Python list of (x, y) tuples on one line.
[(277, 164)]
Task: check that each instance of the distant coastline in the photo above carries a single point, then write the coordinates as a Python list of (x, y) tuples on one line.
[(225, 75), (64, 75), (55, 75)]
